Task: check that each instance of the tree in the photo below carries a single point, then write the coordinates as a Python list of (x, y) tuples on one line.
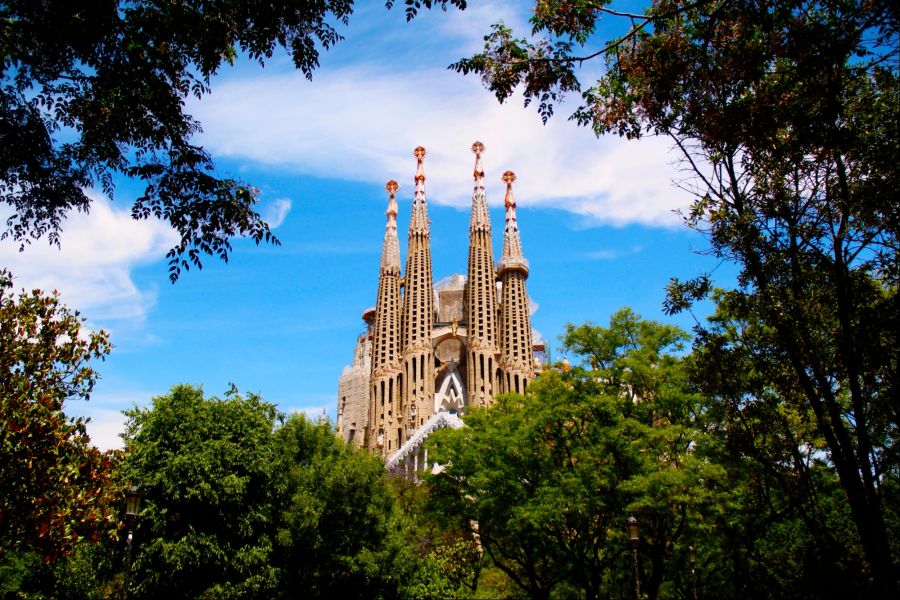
[(785, 115), (206, 468), (240, 503), (438, 558), (546, 480), (788, 526), (337, 520), (95, 90), (55, 487)]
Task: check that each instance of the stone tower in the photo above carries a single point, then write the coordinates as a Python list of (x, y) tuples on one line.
[(433, 351), (481, 298), (417, 382), (385, 414), (517, 361)]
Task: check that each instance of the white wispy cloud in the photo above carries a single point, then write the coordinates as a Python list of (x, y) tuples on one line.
[(608, 254), (92, 268), (362, 122), (276, 212), (603, 255)]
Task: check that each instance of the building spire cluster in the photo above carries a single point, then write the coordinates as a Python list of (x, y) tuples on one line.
[(438, 349)]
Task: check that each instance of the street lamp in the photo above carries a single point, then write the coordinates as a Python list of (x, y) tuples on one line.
[(132, 509), (692, 560), (634, 537), (133, 498)]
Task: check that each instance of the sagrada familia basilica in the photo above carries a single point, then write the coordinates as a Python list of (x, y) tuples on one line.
[(432, 350)]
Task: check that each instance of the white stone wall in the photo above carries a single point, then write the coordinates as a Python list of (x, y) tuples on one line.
[(353, 394)]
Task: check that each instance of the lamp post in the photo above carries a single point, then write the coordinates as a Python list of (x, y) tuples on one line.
[(132, 508), (692, 560), (634, 537)]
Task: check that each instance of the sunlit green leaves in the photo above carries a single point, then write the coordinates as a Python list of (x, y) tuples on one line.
[(206, 469), (785, 117), (240, 504)]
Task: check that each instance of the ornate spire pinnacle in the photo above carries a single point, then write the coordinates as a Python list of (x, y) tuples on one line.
[(512, 244), (480, 217), (390, 250), (478, 149), (418, 221), (392, 186), (510, 202)]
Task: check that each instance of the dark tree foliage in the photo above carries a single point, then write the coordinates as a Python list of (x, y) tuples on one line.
[(788, 526), (413, 6), (93, 89), (785, 115), (56, 489), (336, 519), (439, 559)]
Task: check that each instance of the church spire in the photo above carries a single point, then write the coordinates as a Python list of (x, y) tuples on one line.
[(384, 381), (417, 379), (481, 298), (517, 360)]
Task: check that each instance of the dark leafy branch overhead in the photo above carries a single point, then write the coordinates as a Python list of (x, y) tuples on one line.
[(414, 6), (545, 69), (93, 90)]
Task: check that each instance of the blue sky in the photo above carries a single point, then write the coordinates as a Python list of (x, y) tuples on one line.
[(596, 218)]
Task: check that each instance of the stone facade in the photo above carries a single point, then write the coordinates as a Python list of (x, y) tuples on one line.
[(352, 415), (438, 348)]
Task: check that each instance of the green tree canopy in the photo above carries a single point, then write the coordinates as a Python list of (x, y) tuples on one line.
[(206, 468), (338, 521), (55, 487), (239, 504), (546, 480)]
